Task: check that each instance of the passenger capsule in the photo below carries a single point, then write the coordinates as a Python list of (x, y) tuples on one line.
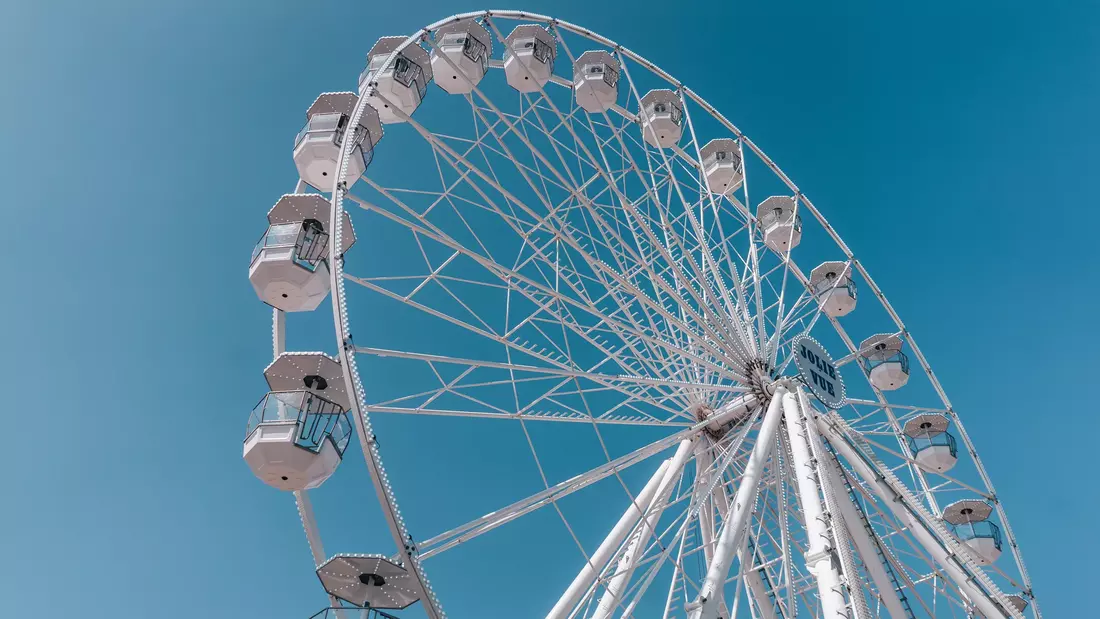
[(289, 268), (596, 81), (970, 523), (933, 447), (722, 165), (886, 365), (529, 53), (662, 118), (298, 432), (402, 83), (831, 283), (317, 146), (779, 223), (460, 56), (369, 582)]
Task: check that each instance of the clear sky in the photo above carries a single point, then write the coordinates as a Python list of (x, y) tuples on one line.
[(955, 145)]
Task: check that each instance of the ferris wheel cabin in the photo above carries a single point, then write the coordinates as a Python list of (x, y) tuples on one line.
[(662, 118), (401, 83), (932, 445), (289, 268), (460, 56), (969, 520), (722, 165), (832, 284), (885, 363), (298, 432), (368, 581), (596, 81), (317, 146), (781, 225), (529, 53)]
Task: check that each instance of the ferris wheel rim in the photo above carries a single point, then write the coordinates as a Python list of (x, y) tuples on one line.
[(342, 322)]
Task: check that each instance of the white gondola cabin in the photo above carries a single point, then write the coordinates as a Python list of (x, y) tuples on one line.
[(932, 446), (369, 581), (831, 283), (289, 268), (596, 81), (662, 118), (529, 53), (780, 224), (969, 520), (722, 165), (402, 83), (460, 56), (298, 432), (885, 363), (317, 146)]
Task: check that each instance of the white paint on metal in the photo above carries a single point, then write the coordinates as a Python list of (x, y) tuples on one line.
[(596, 563), (733, 529)]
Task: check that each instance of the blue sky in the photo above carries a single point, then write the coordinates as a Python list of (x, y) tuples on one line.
[(143, 142)]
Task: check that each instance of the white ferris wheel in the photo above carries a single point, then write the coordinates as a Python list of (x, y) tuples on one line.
[(559, 233)]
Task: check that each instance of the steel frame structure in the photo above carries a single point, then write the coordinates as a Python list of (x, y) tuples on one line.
[(634, 295)]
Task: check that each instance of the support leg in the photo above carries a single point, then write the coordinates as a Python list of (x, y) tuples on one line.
[(703, 462), (638, 542), (855, 524), (821, 559), (733, 529), (758, 590), (606, 550), (865, 545), (857, 601)]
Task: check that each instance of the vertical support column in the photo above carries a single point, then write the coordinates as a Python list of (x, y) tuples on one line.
[(733, 528), (853, 521), (610, 544), (820, 557), (865, 545), (758, 591), (856, 600), (704, 476), (638, 542)]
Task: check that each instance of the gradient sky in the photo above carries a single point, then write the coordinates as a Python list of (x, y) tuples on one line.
[(953, 147)]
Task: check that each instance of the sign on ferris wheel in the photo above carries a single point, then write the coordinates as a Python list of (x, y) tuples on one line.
[(818, 371)]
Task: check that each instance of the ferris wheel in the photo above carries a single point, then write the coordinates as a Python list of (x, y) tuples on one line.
[(559, 234)]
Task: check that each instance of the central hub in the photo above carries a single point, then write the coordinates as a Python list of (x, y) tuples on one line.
[(761, 375), (717, 430)]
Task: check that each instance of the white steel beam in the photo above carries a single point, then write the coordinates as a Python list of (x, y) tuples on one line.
[(853, 520), (595, 564), (637, 544), (733, 528), (864, 544), (758, 591), (734, 411), (820, 556)]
